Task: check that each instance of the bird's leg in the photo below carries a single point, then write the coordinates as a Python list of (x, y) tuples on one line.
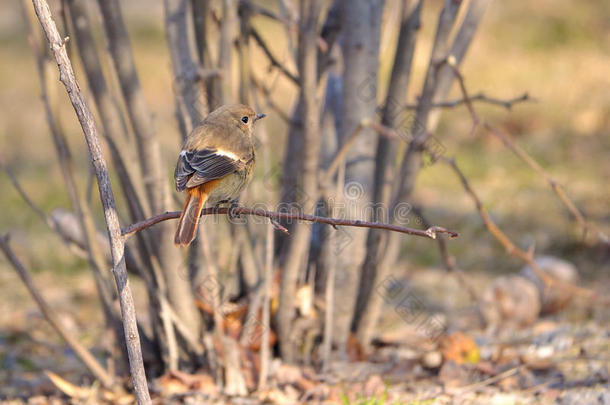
[(221, 202)]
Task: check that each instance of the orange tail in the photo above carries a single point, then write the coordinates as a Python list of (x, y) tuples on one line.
[(189, 218)]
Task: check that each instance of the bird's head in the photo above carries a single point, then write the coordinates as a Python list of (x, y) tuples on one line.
[(241, 115)]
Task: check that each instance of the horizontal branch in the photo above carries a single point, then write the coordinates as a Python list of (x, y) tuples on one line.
[(430, 233)]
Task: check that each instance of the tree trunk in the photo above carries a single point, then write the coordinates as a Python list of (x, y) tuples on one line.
[(361, 25), (403, 184), (393, 116), (299, 242)]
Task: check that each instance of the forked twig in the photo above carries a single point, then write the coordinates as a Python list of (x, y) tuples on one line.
[(480, 97), (272, 59), (505, 241), (527, 159)]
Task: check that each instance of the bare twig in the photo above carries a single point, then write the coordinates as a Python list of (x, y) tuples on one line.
[(475, 10), (266, 310), (46, 219), (557, 188), (185, 69), (257, 9), (527, 159), (429, 233), (149, 156), (381, 257), (87, 358), (272, 59), (228, 28), (449, 261), (505, 241), (111, 117), (79, 204), (212, 271), (66, 75), (480, 97), (280, 113), (267, 276), (327, 175)]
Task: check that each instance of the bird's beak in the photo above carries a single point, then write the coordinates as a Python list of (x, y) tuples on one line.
[(259, 116)]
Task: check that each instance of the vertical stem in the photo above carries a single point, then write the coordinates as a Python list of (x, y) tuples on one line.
[(149, 156), (225, 60), (393, 116), (361, 61), (266, 311), (185, 70), (244, 55), (299, 243), (66, 75), (78, 203), (404, 182)]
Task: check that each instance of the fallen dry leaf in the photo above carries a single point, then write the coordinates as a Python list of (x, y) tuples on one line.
[(459, 348), (355, 351)]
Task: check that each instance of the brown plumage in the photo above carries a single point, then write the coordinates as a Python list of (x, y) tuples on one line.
[(215, 164)]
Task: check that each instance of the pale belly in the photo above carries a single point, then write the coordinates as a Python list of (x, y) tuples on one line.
[(229, 188)]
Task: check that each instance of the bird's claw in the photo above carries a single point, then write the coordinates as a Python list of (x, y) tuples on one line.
[(233, 205)]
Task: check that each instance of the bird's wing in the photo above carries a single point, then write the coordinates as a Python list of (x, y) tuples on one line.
[(200, 166)]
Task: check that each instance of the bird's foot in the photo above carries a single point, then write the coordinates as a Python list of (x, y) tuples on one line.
[(231, 213)]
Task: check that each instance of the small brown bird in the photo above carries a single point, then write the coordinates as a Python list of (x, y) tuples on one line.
[(215, 164)]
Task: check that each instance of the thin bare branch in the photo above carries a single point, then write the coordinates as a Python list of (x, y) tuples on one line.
[(480, 97), (381, 257), (66, 76), (527, 159), (449, 261), (112, 120), (45, 218), (266, 309), (272, 59), (257, 9), (429, 233), (78, 202), (228, 30), (506, 242), (149, 157), (183, 65), (267, 93)]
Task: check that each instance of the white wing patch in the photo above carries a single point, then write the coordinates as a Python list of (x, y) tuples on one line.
[(226, 153)]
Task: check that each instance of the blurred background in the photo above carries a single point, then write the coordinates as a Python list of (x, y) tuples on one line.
[(556, 51)]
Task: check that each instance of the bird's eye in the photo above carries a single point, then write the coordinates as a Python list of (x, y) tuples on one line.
[(244, 119)]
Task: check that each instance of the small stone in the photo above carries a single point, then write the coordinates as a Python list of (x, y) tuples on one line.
[(553, 299)]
